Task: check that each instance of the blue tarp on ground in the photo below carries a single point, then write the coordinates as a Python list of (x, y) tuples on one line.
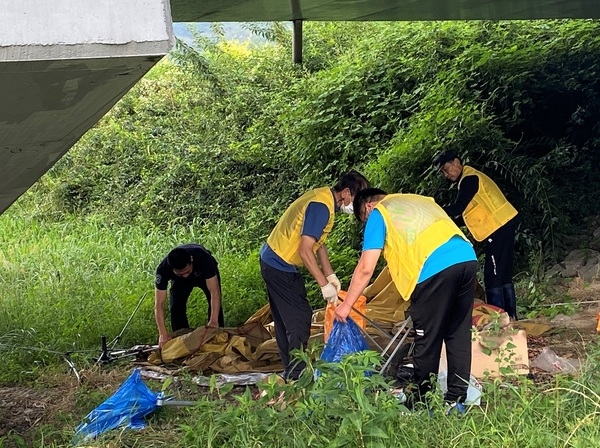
[(126, 407)]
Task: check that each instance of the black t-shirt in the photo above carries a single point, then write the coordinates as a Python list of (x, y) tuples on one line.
[(466, 192), (204, 267)]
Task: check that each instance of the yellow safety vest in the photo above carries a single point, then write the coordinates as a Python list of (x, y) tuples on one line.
[(415, 227), (488, 210), (285, 237)]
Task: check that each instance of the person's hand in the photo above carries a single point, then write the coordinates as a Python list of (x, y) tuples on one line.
[(329, 292), (163, 339), (341, 312), (332, 278), (212, 324)]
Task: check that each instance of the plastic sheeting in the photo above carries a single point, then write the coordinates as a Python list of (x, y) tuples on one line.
[(126, 407), (549, 361), (345, 338), (473, 390), (359, 305), (384, 302)]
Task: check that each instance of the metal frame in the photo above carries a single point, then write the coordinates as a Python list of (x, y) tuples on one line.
[(406, 325)]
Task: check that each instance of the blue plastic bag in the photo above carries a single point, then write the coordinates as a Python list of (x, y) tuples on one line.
[(126, 407), (345, 338)]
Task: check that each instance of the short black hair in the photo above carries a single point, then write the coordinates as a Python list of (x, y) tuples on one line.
[(352, 180), (364, 196), (447, 156), (179, 258)]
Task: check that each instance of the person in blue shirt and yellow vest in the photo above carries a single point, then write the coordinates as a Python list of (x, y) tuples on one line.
[(297, 240), (433, 265), (491, 219)]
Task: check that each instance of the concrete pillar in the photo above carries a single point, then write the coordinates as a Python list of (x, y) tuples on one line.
[(297, 42), (63, 65)]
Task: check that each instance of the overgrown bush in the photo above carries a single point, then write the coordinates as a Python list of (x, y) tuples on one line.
[(233, 131), (215, 142)]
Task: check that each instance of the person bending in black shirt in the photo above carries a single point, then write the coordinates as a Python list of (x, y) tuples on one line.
[(187, 266)]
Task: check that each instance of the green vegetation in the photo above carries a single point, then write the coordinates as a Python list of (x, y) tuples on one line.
[(218, 138), (347, 408), (75, 280)]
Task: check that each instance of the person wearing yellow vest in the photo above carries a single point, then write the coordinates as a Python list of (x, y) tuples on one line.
[(433, 265), (298, 239), (491, 219)]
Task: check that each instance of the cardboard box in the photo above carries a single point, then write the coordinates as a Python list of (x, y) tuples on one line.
[(491, 354)]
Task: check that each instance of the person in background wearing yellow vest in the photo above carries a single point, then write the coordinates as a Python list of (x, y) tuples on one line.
[(433, 265), (491, 219), (297, 240)]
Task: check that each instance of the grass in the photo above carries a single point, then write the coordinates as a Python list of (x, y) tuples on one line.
[(346, 408), (349, 409), (66, 283)]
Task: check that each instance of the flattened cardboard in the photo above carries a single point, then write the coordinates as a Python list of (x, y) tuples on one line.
[(500, 356)]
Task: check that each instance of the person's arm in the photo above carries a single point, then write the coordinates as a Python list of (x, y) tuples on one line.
[(323, 257), (316, 218), (373, 243), (160, 297), (360, 279), (215, 300), (310, 262), (468, 188)]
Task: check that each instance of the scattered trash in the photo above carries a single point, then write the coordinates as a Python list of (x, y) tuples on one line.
[(496, 354), (549, 361), (345, 338), (399, 394), (560, 319), (237, 379), (473, 391), (126, 407), (157, 376)]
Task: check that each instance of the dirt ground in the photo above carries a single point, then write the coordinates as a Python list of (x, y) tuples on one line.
[(572, 333), (60, 402)]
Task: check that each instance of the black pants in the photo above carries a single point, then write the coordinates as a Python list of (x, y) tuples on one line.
[(500, 256), (291, 313), (181, 288), (441, 309)]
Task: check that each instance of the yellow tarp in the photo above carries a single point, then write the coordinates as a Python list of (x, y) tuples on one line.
[(249, 347), (384, 302), (252, 346)]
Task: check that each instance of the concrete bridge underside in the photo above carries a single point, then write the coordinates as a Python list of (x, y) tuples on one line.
[(394, 10), (65, 63)]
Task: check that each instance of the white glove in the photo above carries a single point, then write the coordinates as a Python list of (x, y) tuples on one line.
[(329, 292), (332, 278)]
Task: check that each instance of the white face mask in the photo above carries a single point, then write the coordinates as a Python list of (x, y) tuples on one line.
[(348, 209)]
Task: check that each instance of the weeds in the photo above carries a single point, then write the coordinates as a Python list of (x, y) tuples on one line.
[(73, 281), (345, 407)]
